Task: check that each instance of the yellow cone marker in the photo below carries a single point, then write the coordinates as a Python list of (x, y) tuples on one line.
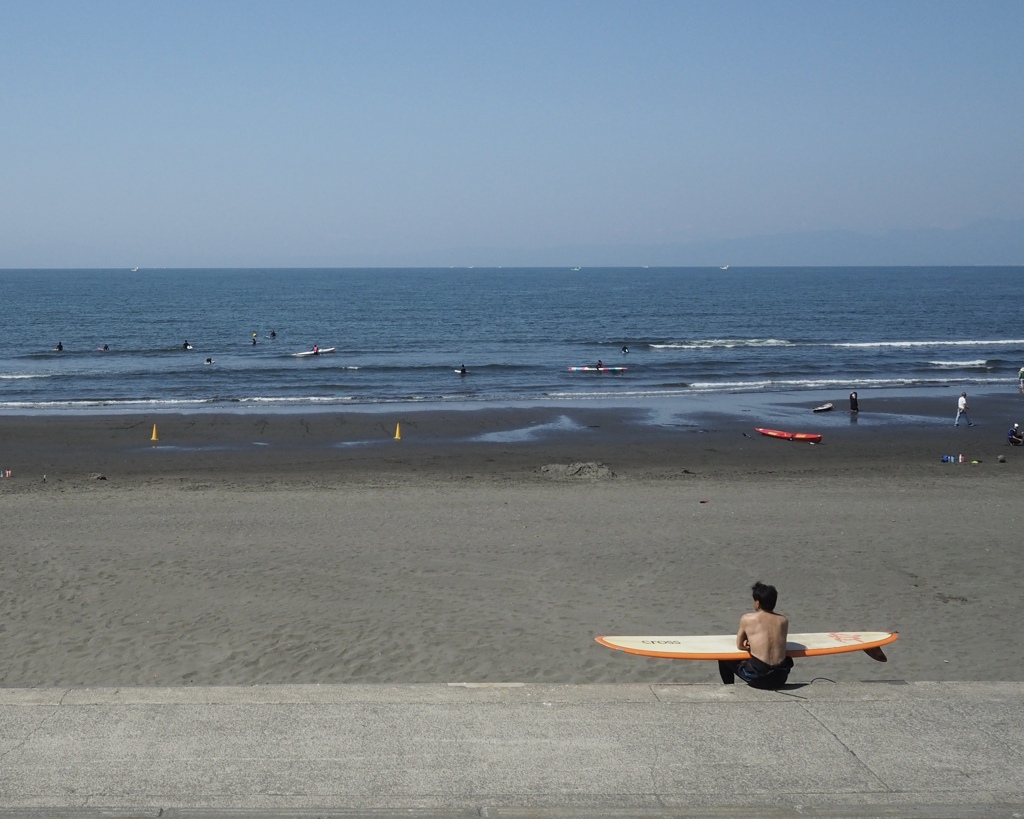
[(398, 432), (154, 438)]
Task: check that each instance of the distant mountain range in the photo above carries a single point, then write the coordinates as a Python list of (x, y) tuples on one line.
[(986, 242)]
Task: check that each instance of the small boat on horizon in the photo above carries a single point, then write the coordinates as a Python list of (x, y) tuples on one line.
[(724, 267)]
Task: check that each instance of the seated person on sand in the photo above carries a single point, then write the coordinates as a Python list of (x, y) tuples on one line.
[(1015, 437), (763, 633)]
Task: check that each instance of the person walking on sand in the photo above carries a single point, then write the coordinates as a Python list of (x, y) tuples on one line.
[(763, 633), (961, 411)]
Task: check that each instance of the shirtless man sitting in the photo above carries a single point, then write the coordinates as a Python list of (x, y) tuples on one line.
[(763, 633)]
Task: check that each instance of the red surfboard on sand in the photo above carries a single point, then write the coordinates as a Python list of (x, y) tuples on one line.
[(809, 437)]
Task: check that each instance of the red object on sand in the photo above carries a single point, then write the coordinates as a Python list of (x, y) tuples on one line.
[(809, 437)]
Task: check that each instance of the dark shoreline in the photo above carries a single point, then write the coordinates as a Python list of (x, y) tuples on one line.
[(715, 438)]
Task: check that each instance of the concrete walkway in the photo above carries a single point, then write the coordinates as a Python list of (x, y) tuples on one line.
[(848, 750)]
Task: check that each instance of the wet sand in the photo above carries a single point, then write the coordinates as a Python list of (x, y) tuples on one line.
[(493, 545)]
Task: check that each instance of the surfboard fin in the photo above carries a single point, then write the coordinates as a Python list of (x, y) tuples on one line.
[(876, 653)]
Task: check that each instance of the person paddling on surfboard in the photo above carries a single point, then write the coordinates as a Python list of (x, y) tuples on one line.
[(763, 633)]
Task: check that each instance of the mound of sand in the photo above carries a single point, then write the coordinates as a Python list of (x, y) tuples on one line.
[(591, 470)]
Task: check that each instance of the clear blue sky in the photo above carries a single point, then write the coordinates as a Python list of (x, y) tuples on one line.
[(341, 133)]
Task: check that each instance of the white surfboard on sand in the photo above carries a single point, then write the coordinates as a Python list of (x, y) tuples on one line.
[(723, 646)]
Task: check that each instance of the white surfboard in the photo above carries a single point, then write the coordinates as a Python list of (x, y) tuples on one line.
[(723, 646), (324, 351)]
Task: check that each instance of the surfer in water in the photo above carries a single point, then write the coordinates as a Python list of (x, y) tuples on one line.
[(253, 339), (59, 348), (625, 349), (763, 633), (600, 364), (186, 345), (463, 371), (316, 349), (273, 333)]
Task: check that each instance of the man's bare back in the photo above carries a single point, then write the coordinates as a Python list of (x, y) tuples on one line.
[(763, 634)]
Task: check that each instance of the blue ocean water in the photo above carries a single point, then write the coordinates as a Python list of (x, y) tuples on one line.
[(401, 334)]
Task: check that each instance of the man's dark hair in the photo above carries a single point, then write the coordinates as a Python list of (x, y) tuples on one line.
[(765, 595)]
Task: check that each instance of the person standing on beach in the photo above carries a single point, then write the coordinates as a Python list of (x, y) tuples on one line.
[(854, 406), (961, 410), (763, 633)]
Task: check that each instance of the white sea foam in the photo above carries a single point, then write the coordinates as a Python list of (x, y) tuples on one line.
[(296, 399), (933, 343), (979, 362), (111, 403), (715, 343)]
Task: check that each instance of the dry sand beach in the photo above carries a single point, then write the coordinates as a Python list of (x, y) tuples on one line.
[(286, 548)]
